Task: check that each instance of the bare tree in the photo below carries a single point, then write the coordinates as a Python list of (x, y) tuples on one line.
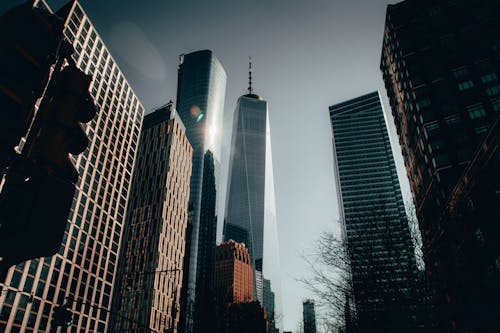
[(390, 288)]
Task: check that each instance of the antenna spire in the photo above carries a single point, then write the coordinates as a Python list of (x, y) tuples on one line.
[(250, 75)]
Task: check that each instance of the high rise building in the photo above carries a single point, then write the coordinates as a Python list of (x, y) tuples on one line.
[(441, 68), (269, 305), (200, 102), (246, 190), (309, 316), (233, 273), (375, 225), (149, 282), (84, 269)]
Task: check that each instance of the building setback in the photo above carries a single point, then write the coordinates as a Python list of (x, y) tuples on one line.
[(200, 103), (441, 67), (375, 225), (149, 279), (309, 316), (233, 273), (85, 266)]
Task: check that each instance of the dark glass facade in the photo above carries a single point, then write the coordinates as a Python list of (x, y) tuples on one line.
[(383, 263), (200, 102), (441, 67), (309, 316), (245, 206)]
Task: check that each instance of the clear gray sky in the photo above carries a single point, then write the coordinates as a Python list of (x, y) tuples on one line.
[(307, 55)]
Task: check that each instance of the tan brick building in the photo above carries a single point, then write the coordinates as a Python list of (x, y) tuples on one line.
[(151, 258)]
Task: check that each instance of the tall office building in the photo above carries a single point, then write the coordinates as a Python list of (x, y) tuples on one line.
[(246, 189), (441, 66), (85, 266), (309, 316), (200, 102), (149, 282), (375, 225), (269, 305), (233, 273)]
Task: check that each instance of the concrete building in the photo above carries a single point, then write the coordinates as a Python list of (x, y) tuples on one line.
[(201, 89), (84, 269), (233, 273), (440, 64), (148, 287), (375, 225), (309, 316)]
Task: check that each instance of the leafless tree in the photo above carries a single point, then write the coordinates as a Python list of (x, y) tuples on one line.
[(330, 278)]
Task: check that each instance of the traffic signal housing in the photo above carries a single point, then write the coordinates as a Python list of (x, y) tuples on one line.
[(29, 39), (40, 184)]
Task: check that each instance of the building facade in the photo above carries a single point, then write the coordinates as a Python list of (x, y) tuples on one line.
[(245, 200), (376, 229), (269, 305), (233, 273), (84, 269), (441, 67), (149, 282), (309, 316), (200, 102)]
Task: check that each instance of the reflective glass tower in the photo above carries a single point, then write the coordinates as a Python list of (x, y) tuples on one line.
[(248, 194), (376, 228), (200, 103), (84, 269)]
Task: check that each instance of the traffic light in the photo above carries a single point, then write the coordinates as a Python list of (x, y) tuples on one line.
[(29, 38), (60, 132), (62, 316), (39, 185)]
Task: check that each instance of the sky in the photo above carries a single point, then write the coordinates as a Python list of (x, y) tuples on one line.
[(307, 55)]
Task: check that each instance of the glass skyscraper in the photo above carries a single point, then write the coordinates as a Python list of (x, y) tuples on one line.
[(375, 225), (84, 269), (250, 216), (244, 220), (200, 102)]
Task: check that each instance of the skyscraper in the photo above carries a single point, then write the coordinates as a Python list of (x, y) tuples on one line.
[(269, 305), (245, 201), (309, 316), (85, 266), (149, 281), (441, 68), (200, 102), (375, 225), (233, 273)]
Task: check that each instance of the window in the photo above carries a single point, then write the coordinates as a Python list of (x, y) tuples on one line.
[(488, 77), (495, 90), (461, 72), (465, 85), (476, 111), (496, 104)]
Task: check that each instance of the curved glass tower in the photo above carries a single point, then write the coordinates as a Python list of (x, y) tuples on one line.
[(200, 103)]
